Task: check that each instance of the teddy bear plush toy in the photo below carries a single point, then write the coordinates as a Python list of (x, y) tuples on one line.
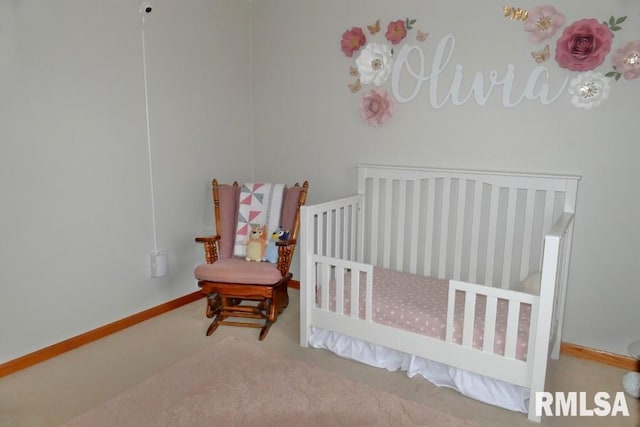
[(256, 243)]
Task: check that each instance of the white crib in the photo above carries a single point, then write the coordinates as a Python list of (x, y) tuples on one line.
[(483, 231)]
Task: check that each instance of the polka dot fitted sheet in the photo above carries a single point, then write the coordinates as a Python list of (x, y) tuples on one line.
[(419, 304)]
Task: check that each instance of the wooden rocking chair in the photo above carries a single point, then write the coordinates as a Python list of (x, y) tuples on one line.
[(241, 289)]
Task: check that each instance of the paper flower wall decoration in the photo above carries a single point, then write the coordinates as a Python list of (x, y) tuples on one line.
[(543, 23), (589, 89), (583, 45), (376, 107), (626, 61), (374, 63)]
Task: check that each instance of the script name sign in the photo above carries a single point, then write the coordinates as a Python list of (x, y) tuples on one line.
[(537, 87)]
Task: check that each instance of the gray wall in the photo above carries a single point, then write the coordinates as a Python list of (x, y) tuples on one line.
[(76, 211)]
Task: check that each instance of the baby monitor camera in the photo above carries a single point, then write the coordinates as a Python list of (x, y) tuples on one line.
[(145, 7)]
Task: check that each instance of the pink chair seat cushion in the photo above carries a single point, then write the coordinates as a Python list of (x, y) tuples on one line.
[(238, 270)]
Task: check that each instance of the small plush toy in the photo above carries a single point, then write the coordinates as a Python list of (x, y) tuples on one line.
[(271, 253), (256, 243)]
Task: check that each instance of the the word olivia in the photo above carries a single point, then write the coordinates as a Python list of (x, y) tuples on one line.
[(536, 87)]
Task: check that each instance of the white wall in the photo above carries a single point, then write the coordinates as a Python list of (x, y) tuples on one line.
[(304, 112), (75, 222)]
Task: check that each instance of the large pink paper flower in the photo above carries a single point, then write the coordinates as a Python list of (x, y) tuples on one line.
[(543, 22), (352, 40), (377, 107), (396, 31), (627, 60), (583, 45)]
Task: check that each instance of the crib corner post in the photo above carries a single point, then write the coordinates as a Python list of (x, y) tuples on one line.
[(306, 248)]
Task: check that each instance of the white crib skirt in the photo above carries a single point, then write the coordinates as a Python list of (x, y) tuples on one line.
[(475, 386)]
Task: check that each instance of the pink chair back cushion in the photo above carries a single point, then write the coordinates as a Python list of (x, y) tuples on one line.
[(289, 206), (238, 270), (229, 199)]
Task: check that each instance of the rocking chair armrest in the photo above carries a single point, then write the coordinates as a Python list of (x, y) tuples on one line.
[(210, 247), (291, 242), (207, 239)]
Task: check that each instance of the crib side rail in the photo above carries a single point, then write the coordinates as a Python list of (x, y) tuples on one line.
[(515, 301), (329, 229), (324, 289)]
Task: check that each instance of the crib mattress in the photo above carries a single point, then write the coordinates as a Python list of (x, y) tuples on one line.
[(419, 304)]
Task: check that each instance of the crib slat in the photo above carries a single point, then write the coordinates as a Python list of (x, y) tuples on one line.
[(493, 224), (369, 298), (475, 232), (490, 324), (324, 283), (428, 249), (386, 245), (413, 261), (451, 307), (355, 294), (528, 232), (548, 211), (469, 318), (462, 197), (508, 245), (352, 230), (399, 226), (513, 319), (321, 232), (375, 207), (339, 290), (336, 234), (444, 227)]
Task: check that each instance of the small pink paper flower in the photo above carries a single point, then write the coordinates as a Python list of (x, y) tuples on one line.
[(627, 60), (396, 31), (376, 107), (352, 40), (543, 22), (583, 45)]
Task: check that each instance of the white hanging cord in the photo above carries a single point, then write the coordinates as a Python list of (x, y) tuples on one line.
[(146, 109)]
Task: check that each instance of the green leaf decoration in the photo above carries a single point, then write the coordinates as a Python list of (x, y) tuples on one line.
[(616, 28), (612, 21), (610, 74), (621, 20), (618, 75)]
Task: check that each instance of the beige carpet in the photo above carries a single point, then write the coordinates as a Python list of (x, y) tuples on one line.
[(236, 383)]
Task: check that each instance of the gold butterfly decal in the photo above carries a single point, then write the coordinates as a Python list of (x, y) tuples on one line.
[(421, 37), (515, 13), (541, 56), (353, 71), (375, 28), (355, 87)]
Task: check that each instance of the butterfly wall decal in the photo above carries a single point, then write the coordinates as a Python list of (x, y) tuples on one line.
[(421, 36), (375, 28), (542, 55), (355, 87)]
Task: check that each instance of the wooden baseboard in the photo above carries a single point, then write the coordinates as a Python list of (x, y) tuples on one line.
[(101, 332), (617, 360)]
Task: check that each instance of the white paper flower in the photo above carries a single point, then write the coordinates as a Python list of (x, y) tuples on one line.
[(374, 63), (589, 89)]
